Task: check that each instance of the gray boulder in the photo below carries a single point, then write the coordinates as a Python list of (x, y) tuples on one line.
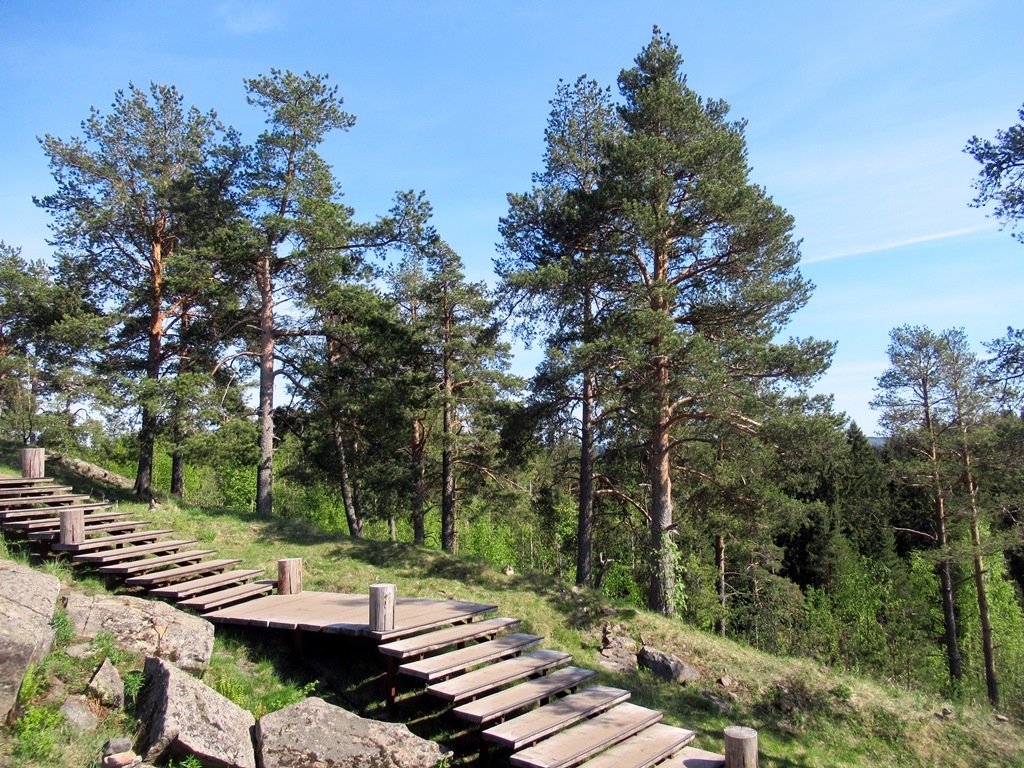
[(107, 686), (618, 650), (315, 733), (182, 716), (78, 715), (148, 627), (667, 666), (27, 602)]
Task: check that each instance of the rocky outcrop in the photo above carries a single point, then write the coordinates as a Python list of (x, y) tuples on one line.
[(182, 716), (315, 733), (145, 626), (618, 650), (27, 602), (667, 666)]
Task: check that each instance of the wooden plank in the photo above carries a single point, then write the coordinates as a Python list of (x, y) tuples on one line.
[(340, 613), (442, 638), (501, 704), (182, 572), (207, 584), (211, 600), (42, 512), (37, 490), (110, 542), (486, 679), (414, 615), (44, 500), (556, 716), (14, 482), (691, 757), (123, 526), (576, 744), (53, 523), (127, 553), (145, 564), (650, 746), (438, 667)]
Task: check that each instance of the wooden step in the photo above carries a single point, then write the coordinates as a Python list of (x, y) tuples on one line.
[(119, 527), (576, 744), (36, 490), (53, 523), (182, 572), (541, 722), (128, 553), (14, 482), (437, 668), (207, 584), (501, 704), (486, 679), (145, 564), (110, 542), (45, 500), (419, 645), (647, 748), (691, 757), (229, 596), (39, 513)]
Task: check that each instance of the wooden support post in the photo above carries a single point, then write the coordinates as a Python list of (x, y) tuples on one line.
[(72, 526), (740, 747), (289, 576), (33, 462), (382, 607)]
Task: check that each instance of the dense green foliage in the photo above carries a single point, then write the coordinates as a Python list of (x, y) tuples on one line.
[(667, 451)]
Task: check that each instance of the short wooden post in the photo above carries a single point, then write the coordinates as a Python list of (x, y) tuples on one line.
[(740, 747), (289, 576), (382, 607), (72, 526), (33, 462)]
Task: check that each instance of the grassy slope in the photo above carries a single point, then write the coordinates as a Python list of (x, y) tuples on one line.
[(806, 715)]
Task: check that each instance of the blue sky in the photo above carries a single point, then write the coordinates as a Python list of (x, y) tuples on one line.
[(857, 116)]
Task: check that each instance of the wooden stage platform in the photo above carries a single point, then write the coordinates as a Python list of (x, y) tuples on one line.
[(346, 614)]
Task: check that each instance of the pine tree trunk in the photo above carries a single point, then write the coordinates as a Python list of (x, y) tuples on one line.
[(987, 643), (720, 563), (585, 521), (348, 496), (448, 526), (154, 354), (265, 468), (662, 565), (178, 473), (419, 533)]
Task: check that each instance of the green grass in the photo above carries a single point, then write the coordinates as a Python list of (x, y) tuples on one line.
[(805, 714)]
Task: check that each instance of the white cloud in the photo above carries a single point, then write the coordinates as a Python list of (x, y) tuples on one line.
[(242, 19), (888, 246)]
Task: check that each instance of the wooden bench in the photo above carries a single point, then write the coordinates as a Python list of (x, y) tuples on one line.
[(53, 523), (486, 679), (576, 744), (436, 668), (15, 482), (36, 513), (501, 704)]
